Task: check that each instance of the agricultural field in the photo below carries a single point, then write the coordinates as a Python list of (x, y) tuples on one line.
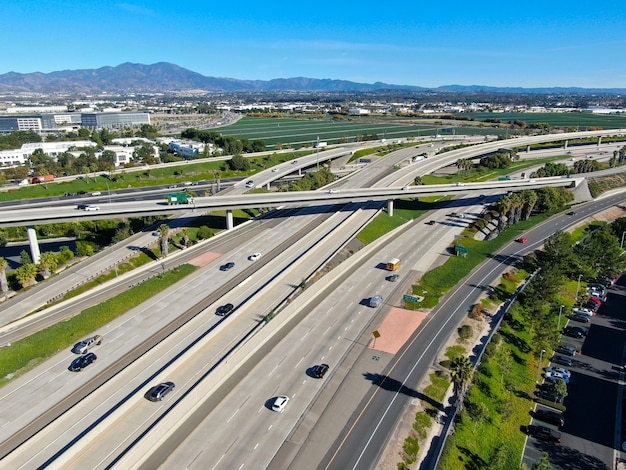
[(305, 132), (576, 119)]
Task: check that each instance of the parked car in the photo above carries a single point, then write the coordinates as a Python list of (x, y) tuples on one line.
[(254, 256), (563, 360), (549, 416), (596, 300), (320, 371), (560, 370), (591, 306), (567, 350), (223, 310), (579, 317), (544, 433), (227, 266), (83, 346), (81, 362), (158, 392), (556, 376), (582, 311), (280, 403), (549, 395), (575, 332)]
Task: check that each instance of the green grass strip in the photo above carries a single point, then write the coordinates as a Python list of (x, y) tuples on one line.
[(27, 353)]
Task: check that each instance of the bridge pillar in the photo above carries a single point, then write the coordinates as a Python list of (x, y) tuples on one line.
[(390, 207), (599, 141), (268, 185), (527, 148), (566, 144), (229, 219), (34, 245)]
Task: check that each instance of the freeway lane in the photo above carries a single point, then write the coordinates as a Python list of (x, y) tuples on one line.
[(362, 442)]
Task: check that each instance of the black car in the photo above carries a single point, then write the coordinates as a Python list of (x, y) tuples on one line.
[(550, 396), (81, 362), (568, 350), (223, 310), (544, 433), (574, 332), (227, 266), (549, 416), (158, 393), (431, 222), (563, 360), (571, 213), (579, 317), (393, 277), (320, 371)]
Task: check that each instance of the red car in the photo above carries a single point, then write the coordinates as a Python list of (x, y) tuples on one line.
[(595, 300), (522, 240)]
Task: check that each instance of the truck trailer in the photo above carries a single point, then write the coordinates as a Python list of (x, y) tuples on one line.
[(41, 179), (179, 198)]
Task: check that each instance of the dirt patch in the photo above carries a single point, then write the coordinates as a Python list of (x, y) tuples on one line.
[(204, 259), (397, 327)]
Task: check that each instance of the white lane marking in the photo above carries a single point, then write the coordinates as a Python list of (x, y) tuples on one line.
[(218, 462), (257, 445), (233, 415), (301, 359)]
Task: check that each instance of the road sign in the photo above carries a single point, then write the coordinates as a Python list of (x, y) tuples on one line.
[(461, 249), (376, 334), (410, 298)]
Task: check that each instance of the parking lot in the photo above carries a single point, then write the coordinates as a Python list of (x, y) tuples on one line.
[(593, 425)]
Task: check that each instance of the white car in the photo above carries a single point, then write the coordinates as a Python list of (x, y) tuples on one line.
[(280, 403), (96, 193), (254, 256), (89, 207), (250, 184), (333, 191), (554, 376), (274, 170), (405, 188), (85, 345), (559, 370), (582, 311)]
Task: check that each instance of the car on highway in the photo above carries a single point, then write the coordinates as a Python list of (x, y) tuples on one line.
[(254, 256), (375, 301), (563, 360), (227, 266), (159, 392), (320, 371), (96, 193), (544, 433), (559, 370), (333, 191), (81, 362), (431, 222), (293, 162), (522, 239), (565, 349), (579, 317), (250, 184), (223, 310), (90, 207), (85, 345), (555, 376), (69, 195), (571, 213), (280, 402), (172, 186), (393, 277), (405, 188), (549, 416), (274, 170)]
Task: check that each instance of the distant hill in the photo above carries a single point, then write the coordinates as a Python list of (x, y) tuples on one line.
[(164, 77)]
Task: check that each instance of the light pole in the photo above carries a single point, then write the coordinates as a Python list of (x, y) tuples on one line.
[(621, 245), (539, 367), (108, 191), (317, 153), (560, 311), (578, 286)]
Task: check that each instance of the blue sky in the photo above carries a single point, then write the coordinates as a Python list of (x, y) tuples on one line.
[(429, 44)]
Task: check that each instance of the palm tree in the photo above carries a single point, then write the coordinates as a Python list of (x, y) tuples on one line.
[(164, 236), (47, 263), (26, 274), (3, 277), (461, 370)]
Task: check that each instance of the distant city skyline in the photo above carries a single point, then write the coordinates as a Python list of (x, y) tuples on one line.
[(534, 44)]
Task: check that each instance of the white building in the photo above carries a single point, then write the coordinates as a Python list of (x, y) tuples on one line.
[(18, 157)]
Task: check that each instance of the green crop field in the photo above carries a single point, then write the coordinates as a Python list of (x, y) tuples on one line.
[(305, 132), (575, 119)]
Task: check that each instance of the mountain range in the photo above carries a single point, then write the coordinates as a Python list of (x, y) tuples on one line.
[(164, 77)]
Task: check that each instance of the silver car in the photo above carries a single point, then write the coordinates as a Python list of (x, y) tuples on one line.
[(85, 345)]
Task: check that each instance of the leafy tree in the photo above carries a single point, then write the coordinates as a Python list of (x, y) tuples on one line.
[(4, 286), (164, 236), (48, 263), (543, 463), (600, 252), (26, 274), (560, 388), (239, 163), (25, 257), (204, 232), (148, 131)]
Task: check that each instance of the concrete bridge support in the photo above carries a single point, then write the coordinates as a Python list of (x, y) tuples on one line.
[(34, 245), (390, 207), (229, 219)]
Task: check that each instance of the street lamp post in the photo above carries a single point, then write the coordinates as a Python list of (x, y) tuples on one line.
[(621, 245), (578, 286), (108, 191), (560, 311), (539, 367), (317, 153)]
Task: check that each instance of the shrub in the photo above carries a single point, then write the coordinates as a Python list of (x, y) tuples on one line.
[(465, 332)]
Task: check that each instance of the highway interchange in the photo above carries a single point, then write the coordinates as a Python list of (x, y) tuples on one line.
[(116, 426)]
